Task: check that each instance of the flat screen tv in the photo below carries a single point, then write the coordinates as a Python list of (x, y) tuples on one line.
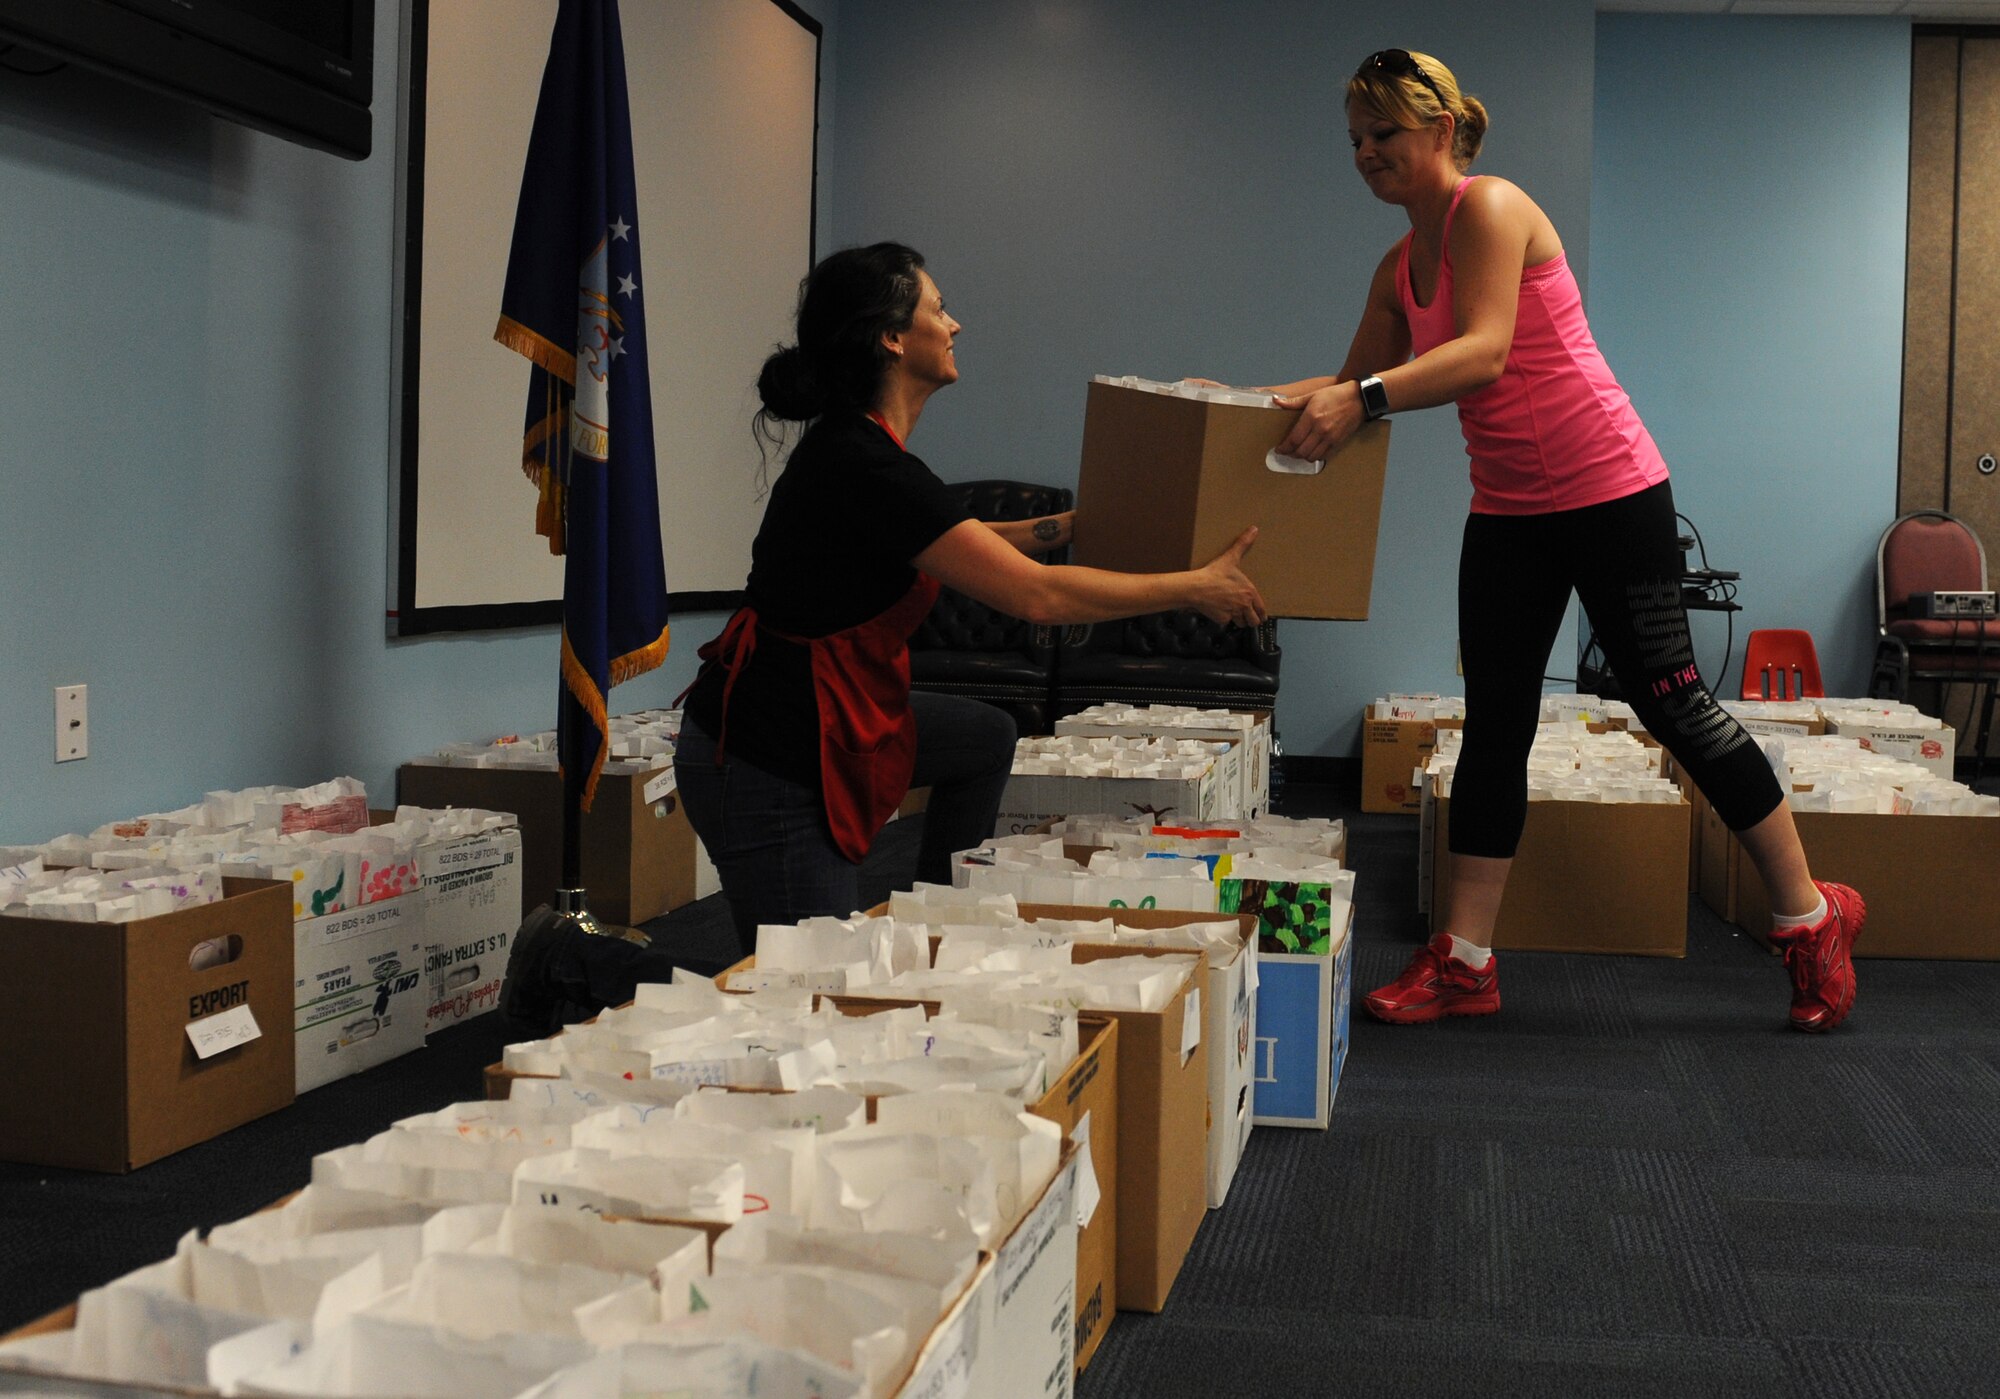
[(300, 69)]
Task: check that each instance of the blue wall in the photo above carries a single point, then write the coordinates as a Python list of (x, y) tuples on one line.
[(195, 472), (195, 380), (1748, 209), (1166, 189)]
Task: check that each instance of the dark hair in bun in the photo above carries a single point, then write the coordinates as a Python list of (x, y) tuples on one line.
[(846, 305)]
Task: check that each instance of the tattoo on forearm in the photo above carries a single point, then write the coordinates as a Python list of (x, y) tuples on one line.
[(1047, 529)]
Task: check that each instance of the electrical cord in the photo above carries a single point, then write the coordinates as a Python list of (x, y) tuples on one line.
[(1718, 591)]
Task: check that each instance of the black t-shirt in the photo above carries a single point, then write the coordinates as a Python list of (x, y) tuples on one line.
[(846, 516)]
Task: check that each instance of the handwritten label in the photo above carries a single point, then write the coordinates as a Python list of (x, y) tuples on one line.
[(1032, 1237), (659, 786), (215, 1033)]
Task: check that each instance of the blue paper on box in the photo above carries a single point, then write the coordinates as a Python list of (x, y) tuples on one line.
[(1302, 1032)]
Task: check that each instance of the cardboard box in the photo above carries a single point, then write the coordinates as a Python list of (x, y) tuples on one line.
[(1026, 1345), (102, 1074), (1718, 861), (1303, 1009), (1393, 754), (358, 988), (640, 858), (1162, 1114), (1033, 798), (1589, 877), (472, 897), (1229, 1022), (1935, 750), (1252, 762), (1162, 1175), (1229, 1004), (948, 1361), (1927, 880), (1168, 483), (1163, 1117), (1084, 1103)]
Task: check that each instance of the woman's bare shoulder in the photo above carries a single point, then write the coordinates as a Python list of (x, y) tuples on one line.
[(1499, 206)]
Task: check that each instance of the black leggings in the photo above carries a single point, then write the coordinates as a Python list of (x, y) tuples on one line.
[(1623, 559)]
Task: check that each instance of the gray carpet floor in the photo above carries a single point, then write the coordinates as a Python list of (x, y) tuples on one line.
[(1636, 1180)]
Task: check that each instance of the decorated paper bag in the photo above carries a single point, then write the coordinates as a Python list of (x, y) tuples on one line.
[(675, 1187), (1299, 901)]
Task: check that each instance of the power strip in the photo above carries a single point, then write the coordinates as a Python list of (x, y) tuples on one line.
[(1952, 605)]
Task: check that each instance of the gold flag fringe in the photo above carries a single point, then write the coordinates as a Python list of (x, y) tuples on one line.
[(544, 448), (539, 348), (638, 662), (542, 453), (585, 689)]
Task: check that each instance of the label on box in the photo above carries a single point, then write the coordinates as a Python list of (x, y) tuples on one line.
[(1774, 728), (1089, 1194), (215, 1033), (659, 786), (464, 857), (369, 918), (1031, 1240), (944, 1370)]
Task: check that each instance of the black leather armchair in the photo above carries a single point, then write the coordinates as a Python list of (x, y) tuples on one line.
[(1168, 658), (966, 648)]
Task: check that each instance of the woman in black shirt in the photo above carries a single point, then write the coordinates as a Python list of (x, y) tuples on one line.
[(801, 732)]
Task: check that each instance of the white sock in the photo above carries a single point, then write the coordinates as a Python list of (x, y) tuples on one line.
[(1470, 953), (1781, 923)]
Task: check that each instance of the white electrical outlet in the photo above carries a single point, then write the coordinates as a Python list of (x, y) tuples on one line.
[(72, 723)]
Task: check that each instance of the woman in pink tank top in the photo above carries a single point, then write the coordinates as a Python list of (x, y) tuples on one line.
[(1477, 307)]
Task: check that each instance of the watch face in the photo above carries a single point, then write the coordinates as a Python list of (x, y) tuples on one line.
[(1374, 398)]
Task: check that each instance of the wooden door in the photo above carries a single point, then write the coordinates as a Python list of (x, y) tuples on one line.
[(1950, 445)]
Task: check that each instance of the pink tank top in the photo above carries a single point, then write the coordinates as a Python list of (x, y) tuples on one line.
[(1554, 431)]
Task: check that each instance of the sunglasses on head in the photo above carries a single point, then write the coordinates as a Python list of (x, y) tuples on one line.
[(1398, 63)]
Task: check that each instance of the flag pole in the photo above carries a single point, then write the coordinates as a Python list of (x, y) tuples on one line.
[(572, 898), (574, 306)]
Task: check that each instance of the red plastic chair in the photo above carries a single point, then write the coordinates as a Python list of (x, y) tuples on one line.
[(1781, 664)]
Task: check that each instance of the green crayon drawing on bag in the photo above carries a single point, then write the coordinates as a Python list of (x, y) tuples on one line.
[(326, 901)]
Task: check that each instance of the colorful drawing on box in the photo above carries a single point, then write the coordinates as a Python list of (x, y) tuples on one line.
[(1296, 916)]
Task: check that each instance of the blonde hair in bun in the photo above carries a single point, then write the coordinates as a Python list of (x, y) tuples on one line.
[(1417, 99)]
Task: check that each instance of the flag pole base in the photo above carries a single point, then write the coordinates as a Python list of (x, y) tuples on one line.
[(572, 906)]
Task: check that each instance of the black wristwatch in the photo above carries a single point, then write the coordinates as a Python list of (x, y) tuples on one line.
[(1374, 398)]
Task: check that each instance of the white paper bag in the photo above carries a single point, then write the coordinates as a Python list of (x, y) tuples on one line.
[(372, 1356), (689, 1187), (727, 1369)]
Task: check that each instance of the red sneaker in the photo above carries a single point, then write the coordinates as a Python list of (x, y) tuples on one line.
[(1434, 985), (1821, 960)]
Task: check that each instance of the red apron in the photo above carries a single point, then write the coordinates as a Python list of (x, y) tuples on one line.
[(867, 735)]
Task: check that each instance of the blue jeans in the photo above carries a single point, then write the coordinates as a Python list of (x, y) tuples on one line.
[(769, 837)]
